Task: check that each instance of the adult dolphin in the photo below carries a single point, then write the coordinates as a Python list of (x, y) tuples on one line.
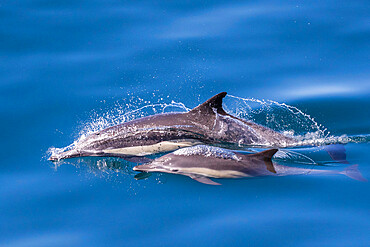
[(207, 123), (204, 162)]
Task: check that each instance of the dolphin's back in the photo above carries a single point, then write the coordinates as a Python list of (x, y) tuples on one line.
[(221, 160), (207, 123)]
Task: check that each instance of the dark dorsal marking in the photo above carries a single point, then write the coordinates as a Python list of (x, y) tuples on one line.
[(213, 103)]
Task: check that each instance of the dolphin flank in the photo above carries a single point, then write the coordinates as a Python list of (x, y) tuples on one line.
[(208, 123)]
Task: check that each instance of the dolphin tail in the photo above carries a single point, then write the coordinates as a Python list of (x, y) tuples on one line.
[(353, 172)]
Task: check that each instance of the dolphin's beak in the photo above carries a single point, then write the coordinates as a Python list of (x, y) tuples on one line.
[(65, 155), (142, 168)]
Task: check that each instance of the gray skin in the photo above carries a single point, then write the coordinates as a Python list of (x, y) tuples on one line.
[(204, 162), (208, 123)]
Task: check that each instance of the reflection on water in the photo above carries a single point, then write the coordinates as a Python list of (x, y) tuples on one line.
[(100, 166)]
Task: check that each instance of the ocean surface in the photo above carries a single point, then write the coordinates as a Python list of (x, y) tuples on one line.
[(69, 68)]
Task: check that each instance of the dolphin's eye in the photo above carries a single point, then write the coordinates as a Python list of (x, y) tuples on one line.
[(174, 170)]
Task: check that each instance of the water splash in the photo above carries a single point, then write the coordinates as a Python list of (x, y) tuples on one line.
[(120, 113), (277, 116), (126, 112), (288, 120), (281, 117)]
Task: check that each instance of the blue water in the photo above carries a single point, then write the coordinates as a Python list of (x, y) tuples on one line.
[(66, 65)]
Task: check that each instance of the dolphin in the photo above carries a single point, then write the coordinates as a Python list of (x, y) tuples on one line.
[(207, 123), (204, 162)]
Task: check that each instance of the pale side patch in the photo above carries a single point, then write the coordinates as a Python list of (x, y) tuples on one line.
[(213, 173), (160, 147)]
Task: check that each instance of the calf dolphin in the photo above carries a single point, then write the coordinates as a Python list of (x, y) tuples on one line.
[(204, 162), (207, 123)]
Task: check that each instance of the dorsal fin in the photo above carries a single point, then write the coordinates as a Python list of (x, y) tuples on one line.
[(213, 103), (269, 166), (266, 157), (266, 154)]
